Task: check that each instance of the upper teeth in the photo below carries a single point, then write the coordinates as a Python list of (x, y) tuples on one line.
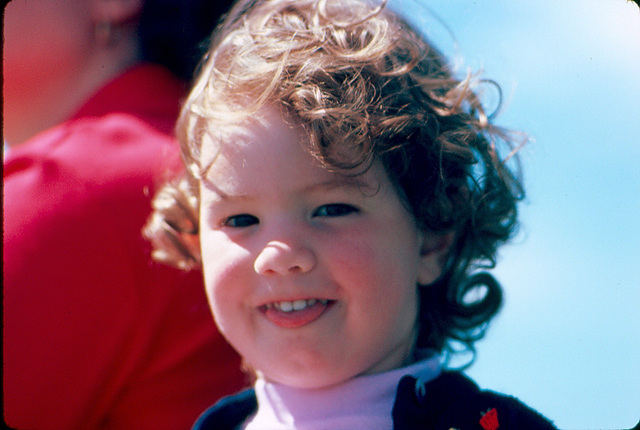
[(296, 305)]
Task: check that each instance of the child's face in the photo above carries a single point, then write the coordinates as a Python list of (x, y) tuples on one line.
[(279, 232)]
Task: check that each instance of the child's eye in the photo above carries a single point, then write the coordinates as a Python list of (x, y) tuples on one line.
[(240, 221), (335, 210)]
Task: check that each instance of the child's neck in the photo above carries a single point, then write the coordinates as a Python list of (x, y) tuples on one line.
[(362, 402)]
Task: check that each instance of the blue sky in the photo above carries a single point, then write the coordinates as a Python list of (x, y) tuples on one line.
[(567, 341)]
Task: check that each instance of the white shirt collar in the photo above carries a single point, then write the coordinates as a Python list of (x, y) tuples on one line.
[(362, 402)]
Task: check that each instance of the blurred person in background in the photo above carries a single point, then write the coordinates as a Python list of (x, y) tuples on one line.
[(96, 335)]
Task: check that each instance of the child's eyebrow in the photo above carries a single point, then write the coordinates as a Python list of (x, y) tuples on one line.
[(344, 182), (347, 182), (223, 196)]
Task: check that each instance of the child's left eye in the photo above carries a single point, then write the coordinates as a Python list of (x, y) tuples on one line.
[(240, 221), (335, 210)]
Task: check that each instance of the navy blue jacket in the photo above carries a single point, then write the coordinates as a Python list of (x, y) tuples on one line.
[(451, 401)]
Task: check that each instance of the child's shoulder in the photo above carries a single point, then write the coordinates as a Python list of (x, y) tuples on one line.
[(229, 413), (453, 401)]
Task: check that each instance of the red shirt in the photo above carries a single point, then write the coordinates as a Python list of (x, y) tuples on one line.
[(96, 335)]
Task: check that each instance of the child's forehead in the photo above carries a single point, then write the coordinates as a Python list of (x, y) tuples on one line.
[(249, 146), (264, 131), (269, 146), (236, 176), (243, 157)]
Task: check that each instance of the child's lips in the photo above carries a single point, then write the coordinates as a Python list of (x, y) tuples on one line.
[(296, 313)]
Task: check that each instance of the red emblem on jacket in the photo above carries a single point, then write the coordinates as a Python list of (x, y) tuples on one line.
[(489, 420)]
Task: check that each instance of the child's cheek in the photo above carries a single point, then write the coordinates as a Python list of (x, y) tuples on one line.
[(226, 288), (354, 259), (223, 265)]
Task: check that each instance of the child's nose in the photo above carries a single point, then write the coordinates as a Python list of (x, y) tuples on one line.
[(279, 258)]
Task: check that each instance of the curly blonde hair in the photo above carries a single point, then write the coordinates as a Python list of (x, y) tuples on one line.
[(365, 86)]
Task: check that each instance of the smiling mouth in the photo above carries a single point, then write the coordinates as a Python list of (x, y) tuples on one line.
[(297, 313)]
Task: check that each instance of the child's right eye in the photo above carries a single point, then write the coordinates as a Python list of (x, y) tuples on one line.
[(240, 221), (335, 210)]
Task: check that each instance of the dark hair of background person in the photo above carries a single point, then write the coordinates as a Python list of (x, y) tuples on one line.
[(175, 33)]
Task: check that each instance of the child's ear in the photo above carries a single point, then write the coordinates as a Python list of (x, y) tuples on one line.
[(433, 254)]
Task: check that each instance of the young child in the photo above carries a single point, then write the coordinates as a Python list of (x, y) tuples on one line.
[(344, 191)]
